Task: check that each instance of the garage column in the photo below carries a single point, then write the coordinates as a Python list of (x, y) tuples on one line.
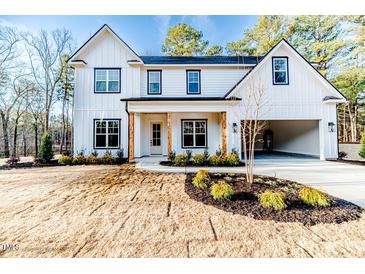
[(322, 132), (224, 132), (131, 136)]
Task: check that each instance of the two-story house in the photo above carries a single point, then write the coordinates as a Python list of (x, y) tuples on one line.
[(151, 105)]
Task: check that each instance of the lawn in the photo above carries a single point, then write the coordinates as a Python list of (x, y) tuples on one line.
[(117, 211)]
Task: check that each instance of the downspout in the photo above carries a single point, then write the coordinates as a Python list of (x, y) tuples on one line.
[(126, 110)]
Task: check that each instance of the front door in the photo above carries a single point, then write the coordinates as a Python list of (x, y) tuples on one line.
[(155, 142)]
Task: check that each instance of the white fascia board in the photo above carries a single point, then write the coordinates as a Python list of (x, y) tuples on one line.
[(199, 65)]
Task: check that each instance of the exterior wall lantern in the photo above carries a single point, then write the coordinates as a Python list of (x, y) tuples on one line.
[(331, 127), (235, 127)]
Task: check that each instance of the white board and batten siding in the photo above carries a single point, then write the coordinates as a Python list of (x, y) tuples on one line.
[(301, 99)]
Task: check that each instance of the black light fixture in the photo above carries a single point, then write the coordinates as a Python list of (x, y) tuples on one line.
[(331, 127), (235, 127)]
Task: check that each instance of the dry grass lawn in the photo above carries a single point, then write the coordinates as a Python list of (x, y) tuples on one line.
[(111, 211)]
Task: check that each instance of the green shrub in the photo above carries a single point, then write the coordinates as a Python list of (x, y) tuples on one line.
[(215, 160), (206, 154), (180, 160), (221, 191), (65, 160), (201, 179), (107, 158), (313, 197), (92, 160), (189, 154), (232, 159), (94, 153), (79, 159), (362, 149), (275, 200), (172, 155), (46, 151), (219, 152), (198, 159)]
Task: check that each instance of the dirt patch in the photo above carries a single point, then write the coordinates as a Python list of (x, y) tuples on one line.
[(245, 202)]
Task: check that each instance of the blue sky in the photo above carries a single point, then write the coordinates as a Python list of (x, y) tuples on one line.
[(145, 34)]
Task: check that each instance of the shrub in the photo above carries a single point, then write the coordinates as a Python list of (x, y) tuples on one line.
[(92, 160), (313, 197), (201, 179), (119, 159), (198, 159), (65, 160), (107, 158), (79, 159), (45, 151), (94, 153), (362, 149), (342, 155), (221, 191), (275, 200), (12, 161), (189, 154), (232, 159), (180, 160), (172, 155), (219, 152), (235, 151), (215, 160), (206, 154), (38, 161)]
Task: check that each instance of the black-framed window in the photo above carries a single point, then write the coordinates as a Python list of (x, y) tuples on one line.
[(107, 80), (106, 133), (193, 84), (280, 70), (194, 133), (154, 81)]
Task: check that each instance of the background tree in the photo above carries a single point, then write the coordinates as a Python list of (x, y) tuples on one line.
[(214, 51), (266, 33), (184, 40), (45, 52)]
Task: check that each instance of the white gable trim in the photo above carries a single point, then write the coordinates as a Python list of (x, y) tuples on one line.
[(268, 56), (103, 29)]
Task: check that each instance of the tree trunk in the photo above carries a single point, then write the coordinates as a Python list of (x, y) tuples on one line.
[(24, 143), (36, 138), (63, 123), (4, 120), (15, 137)]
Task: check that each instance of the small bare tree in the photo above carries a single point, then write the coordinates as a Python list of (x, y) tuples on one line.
[(253, 105)]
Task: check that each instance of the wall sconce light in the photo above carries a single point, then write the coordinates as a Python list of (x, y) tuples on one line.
[(235, 127), (331, 127)]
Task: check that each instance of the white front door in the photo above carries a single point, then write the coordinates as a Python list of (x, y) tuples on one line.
[(155, 142)]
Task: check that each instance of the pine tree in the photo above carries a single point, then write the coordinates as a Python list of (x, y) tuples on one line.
[(362, 149), (46, 149)]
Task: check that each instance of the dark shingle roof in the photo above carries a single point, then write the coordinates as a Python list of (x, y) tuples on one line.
[(201, 60)]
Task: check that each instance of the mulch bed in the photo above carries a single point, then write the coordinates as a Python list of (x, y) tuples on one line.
[(53, 162), (192, 164), (245, 202), (351, 162)]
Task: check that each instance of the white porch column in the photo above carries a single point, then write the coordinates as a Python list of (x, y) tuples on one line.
[(322, 133)]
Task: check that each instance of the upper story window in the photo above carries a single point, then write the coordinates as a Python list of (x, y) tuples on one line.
[(193, 81), (107, 80), (280, 70), (154, 79), (106, 133)]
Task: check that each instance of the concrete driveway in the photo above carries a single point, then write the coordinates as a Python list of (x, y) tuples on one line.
[(343, 180)]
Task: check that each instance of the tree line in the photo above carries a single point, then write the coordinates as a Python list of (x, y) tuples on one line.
[(336, 44), (34, 77)]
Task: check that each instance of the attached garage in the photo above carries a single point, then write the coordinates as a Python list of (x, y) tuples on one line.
[(289, 136)]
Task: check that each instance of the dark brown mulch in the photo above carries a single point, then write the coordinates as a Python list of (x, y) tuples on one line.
[(192, 164), (351, 162), (53, 162), (245, 201)]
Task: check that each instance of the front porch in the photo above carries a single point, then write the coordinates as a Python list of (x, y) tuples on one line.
[(157, 134)]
